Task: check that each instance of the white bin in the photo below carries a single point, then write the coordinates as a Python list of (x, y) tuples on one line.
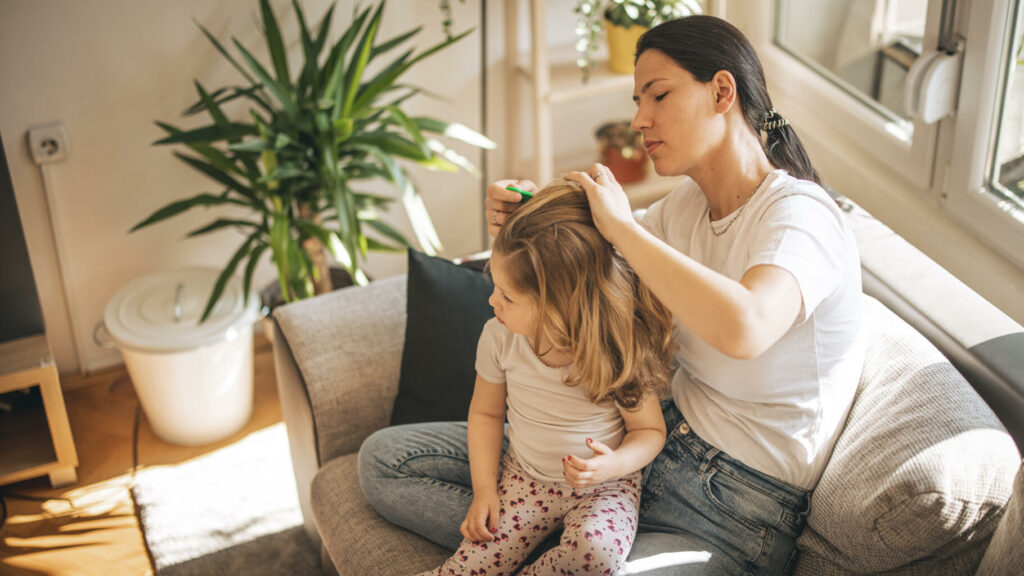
[(194, 380)]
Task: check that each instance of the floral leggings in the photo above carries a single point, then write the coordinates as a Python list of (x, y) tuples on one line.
[(598, 523)]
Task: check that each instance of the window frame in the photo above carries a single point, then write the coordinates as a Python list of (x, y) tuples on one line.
[(809, 98), (999, 222), (948, 164)]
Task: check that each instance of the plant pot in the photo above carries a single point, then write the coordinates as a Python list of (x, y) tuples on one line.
[(194, 381), (622, 151), (622, 46)]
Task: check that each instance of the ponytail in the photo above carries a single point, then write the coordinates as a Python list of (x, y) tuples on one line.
[(784, 149), (703, 45)]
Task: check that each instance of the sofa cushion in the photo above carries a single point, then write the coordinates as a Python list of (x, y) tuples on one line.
[(921, 471), (1005, 554), (357, 539), (446, 311)]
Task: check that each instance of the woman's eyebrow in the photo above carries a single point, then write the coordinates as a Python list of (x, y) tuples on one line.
[(646, 87)]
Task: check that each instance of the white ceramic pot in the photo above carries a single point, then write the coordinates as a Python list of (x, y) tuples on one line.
[(194, 380)]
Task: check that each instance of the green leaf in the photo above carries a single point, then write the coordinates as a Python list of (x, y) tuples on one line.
[(388, 45), (208, 134), (219, 119), (370, 92), (386, 230), (252, 146), (455, 131), (411, 127), (448, 160), (226, 54), (422, 227), (323, 30), (226, 275), (279, 236), (354, 74), (279, 91), (335, 64), (219, 175), (274, 43), (391, 143), (177, 207), (254, 259), (221, 223), (225, 95), (215, 156), (310, 52), (378, 246)]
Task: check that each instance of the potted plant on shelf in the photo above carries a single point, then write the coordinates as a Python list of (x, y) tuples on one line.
[(311, 136), (624, 22)]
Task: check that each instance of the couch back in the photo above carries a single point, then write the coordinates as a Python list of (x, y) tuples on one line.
[(985, 345)]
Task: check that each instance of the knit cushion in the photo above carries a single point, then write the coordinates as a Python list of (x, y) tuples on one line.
[(446, 311), (921, 471)]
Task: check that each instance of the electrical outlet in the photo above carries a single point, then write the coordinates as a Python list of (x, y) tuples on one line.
[(49, 143)]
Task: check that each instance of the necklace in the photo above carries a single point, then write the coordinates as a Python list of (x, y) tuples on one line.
[(739, 211)]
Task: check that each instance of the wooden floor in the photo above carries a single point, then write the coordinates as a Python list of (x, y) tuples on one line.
[(91, 527)]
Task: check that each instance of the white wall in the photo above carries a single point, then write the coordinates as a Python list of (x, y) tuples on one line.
[(107, 69)]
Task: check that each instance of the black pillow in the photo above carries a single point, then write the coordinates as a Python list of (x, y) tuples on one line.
[(447, 310)]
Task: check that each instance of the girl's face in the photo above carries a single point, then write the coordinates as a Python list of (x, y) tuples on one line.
[(675, 113), (514, 309)]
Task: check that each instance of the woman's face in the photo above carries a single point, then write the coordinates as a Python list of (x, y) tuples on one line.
[(675, 113), (512, 308)]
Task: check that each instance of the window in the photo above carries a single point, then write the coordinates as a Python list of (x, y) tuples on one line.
[(848, 71)]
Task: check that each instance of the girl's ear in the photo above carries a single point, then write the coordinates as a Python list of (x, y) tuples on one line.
[(723, 86)]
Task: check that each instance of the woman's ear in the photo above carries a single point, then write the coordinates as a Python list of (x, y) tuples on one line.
[(723, 85)]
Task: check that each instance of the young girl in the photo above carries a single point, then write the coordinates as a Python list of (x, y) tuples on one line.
[(574, 356)]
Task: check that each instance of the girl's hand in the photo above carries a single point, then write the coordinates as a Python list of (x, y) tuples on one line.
[(501, 202), (482, 519), (608, 202), (580, 473)]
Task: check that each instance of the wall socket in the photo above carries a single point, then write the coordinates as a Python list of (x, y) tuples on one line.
[(49, 143)]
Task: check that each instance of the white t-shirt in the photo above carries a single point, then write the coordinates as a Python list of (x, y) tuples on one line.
[(782, 411), (547, 420)]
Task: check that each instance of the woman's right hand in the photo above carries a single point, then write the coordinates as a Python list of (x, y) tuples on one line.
[(482, 519), (501, 202)]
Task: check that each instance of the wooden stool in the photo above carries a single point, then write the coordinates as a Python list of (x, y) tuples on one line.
[(34, 440)]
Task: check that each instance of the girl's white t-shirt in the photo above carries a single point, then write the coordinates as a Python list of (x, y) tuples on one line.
[(547, 420), (781, 412)]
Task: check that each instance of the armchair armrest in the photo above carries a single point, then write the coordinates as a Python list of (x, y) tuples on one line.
[(337, 359)]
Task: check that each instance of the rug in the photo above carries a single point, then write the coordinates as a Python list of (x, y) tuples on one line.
[(233, 511)]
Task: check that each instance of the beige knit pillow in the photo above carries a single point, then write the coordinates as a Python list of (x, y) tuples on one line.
[(921, 471)]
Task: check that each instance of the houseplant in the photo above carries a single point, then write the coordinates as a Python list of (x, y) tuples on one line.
[(624, 22), (310, 137)]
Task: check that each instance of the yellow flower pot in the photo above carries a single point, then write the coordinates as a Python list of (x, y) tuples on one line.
[(622, 46)]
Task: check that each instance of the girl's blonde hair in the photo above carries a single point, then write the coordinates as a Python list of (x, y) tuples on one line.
[(589, 300)]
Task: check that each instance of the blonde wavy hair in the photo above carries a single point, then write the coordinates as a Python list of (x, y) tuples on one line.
[(588, 299)]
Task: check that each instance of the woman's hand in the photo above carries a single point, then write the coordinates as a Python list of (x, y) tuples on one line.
[(608, 202), (580, 472), (482, 519), (500, 202)]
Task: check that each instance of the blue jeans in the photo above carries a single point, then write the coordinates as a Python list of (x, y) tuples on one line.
[(701, 512)]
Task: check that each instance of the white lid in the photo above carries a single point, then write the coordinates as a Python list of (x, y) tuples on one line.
[(141, 316)]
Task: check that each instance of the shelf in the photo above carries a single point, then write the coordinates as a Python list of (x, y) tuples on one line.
[(35, 437), (566, 80), (26, 444)]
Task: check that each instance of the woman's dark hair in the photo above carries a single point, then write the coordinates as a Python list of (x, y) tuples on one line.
[(703, 45)]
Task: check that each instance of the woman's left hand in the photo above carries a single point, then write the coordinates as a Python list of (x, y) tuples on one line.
[(608, 201), (580, 472)]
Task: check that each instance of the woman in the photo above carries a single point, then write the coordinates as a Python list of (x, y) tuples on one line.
[(762, 275)]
